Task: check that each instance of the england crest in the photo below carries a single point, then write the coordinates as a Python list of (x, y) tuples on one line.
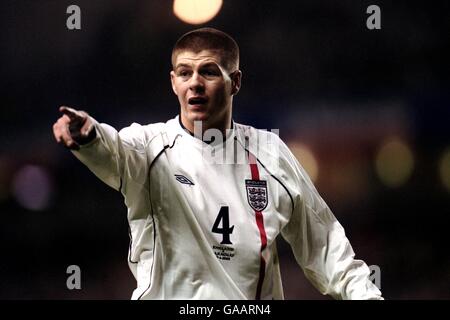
[(256, 194)]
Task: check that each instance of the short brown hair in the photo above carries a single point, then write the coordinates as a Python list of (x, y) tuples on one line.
[(209, 39)]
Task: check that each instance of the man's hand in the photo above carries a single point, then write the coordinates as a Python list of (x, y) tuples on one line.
[(74, 128)]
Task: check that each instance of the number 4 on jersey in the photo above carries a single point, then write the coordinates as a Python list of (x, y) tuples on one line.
[(226, 230)]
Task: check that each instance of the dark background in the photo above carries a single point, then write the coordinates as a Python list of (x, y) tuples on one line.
[(311, 69)]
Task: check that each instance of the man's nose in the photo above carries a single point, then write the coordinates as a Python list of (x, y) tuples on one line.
[(196, 83)]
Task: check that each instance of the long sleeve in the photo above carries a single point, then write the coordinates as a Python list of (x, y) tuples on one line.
[(319, 242), (121, 160), (113, 155)]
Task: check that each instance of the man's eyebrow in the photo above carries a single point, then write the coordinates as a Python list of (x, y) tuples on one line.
[(202, 66), (209, 64), (182, 65)]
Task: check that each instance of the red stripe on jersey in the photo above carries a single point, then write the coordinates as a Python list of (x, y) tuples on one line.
[(262, 262), (262, 232), (253, 166)]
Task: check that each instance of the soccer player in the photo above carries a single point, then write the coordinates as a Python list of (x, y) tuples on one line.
[(204, 213)]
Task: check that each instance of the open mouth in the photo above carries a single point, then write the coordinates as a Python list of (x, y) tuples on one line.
[(197, 100)]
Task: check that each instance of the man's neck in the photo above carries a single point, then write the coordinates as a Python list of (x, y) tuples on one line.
[(201, 133)]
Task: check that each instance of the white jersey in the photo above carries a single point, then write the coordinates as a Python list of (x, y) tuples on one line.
[(203, 229)]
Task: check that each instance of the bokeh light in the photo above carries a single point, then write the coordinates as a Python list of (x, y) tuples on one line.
[(444, 169), (306, 158), (347, 181), (32, 188), (394, 162), (196, 11)]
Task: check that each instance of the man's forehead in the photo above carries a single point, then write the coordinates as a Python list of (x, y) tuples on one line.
[(190, 57)]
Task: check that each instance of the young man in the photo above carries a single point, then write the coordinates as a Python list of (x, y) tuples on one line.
[(203, 226)]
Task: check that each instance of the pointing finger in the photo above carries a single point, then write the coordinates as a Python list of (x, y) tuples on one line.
[(71, 113)]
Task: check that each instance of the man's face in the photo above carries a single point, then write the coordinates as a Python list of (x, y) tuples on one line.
[(204, 88)]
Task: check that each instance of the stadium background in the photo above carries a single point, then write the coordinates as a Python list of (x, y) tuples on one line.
[(372, 108)]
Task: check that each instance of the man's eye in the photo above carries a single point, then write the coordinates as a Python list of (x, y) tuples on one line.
[(210, 73), (183, 73)]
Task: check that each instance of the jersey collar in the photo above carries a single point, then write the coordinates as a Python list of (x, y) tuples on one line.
[(209, 142)]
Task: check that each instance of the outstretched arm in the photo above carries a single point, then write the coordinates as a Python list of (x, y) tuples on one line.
[(114, 157), (98, 146)]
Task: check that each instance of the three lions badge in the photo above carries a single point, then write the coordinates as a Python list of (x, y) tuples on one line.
[(256, 194)]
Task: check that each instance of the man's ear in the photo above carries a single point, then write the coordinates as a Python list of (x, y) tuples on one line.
[(236, 78), (172, 79)]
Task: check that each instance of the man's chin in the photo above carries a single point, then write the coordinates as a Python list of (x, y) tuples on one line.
[(198, 116)]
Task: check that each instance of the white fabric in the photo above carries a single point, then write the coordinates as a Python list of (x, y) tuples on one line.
[(173, 248)]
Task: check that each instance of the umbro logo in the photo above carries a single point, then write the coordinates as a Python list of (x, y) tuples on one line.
[(183, 180)]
